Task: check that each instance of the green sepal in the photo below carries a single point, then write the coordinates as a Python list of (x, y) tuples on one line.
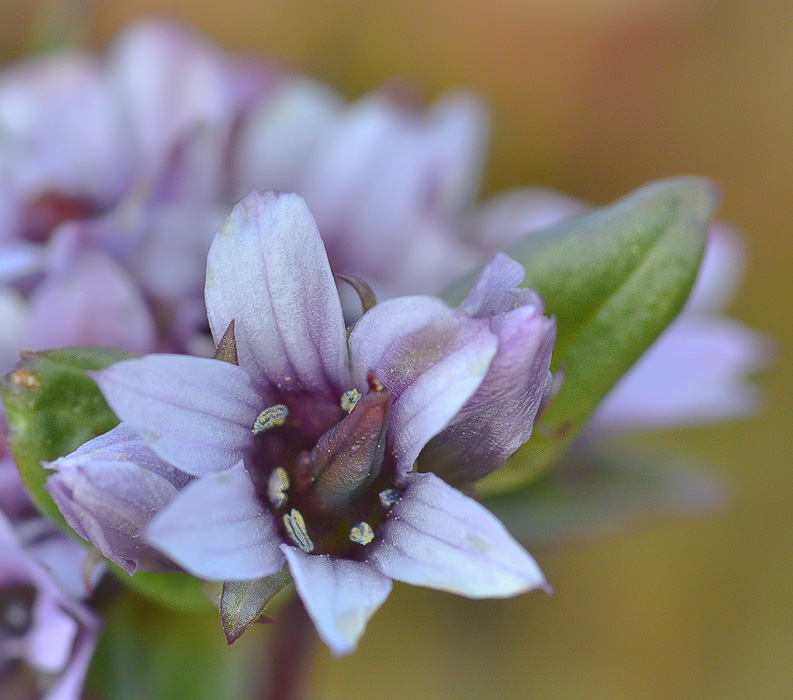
[(243, 602), (614, 278), (53, 407)]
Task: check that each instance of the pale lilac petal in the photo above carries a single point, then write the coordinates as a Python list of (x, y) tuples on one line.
[(70, 684), (431, 258), (479, 439), (196, 413), (172, 82), (494, 290), (63, 632), (719, 274), (268, 271), (392, 197), (15, 565), (695, 372), (439, 538), (49, 642), (506, 218), (61, 129), (93, 303), (19, 259), (218, 530), (340, 595), (109, 490), (13, 321), (65, 559), (430, 357), (170, 261), (346, 162), (459, 124), (281, 133)]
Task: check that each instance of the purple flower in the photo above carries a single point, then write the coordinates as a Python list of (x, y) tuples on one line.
[(44, 626), (311, 450), (112, 181), (391, 191), (387, 183)]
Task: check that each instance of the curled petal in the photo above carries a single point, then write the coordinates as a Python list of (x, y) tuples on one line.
[(430, 357), (109, 490), (495, 290), (439, 538), (194, 412), (340, 595), (218, 530), (267, 270), (499, 417)]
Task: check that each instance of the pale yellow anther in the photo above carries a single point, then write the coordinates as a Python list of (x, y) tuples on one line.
[(349, 399), (389, 497), (296, 529), (272, 417), (362, 533), (277, 486)]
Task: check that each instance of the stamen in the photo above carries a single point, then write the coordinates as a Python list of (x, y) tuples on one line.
[(277, 486), (273, 417), (388, 497), (296, 529), (362, 533), (349, 399)]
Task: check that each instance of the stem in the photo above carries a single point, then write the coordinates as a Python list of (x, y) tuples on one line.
[(291, 647)]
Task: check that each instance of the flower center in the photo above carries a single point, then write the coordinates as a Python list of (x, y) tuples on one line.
[(16, 603), (324, 471), (43, 215)]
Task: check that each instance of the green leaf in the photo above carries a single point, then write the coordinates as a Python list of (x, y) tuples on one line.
[(243, 602), (53, 407), (595, 492), (177, 591), (614, 278)]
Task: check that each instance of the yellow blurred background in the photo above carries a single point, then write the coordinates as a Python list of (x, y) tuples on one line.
[(593, 97)]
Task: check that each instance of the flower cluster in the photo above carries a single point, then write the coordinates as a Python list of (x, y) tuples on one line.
[(312, 450), (344, 456), (44, 625)]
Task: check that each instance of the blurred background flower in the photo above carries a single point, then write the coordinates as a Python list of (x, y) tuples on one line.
[(591, 99)]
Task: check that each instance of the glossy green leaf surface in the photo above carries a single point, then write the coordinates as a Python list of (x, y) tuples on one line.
[(53, 407)]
